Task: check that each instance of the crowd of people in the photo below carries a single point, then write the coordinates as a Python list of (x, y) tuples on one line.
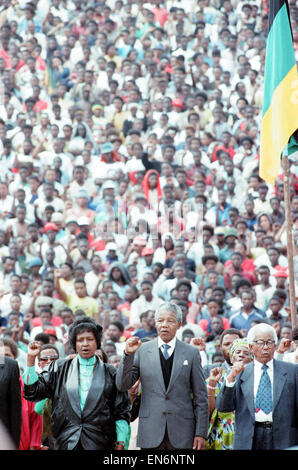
[(129, 177)]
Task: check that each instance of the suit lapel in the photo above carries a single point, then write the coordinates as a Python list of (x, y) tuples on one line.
[(154, 363), (247, 387), (72, 386), (177, 362), (279, 379), (96, 389)]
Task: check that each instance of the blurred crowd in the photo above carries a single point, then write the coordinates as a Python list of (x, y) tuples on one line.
[(129, 173)]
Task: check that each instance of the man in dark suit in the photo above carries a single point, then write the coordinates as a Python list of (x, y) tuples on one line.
[(264, 395), (10, 398), (174, 403)]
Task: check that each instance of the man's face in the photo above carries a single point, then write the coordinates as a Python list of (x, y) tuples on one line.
[(114, 333), (216, 325), (47, 289), (15, 303), (15, 284), (183, 292), (83, 248), (225, 346), (264, 275), (8, 266), (113, 301), (263, 352), (146, 290), (247, 300), (46, 357), (167, 325), (274, 306), (286, 332), (236, 261), (273, 256), (67, 317), (80, 289), (86, 344)]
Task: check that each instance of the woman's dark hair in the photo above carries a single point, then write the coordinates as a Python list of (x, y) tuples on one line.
[(85, 324)]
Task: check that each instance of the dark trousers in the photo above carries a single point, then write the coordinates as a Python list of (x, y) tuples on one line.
[(263, 438), (164, 445)]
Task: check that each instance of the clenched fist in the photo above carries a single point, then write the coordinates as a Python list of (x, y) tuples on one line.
[(132, 345), (237, 368)]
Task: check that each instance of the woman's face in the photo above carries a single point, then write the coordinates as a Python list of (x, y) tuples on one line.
[(116, 274), (241, 354), (265, 223), (86, 344)]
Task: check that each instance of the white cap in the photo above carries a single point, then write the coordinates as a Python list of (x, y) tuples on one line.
[(83, 221)]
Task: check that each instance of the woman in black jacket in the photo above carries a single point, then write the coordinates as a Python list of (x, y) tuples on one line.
[(88, 412)]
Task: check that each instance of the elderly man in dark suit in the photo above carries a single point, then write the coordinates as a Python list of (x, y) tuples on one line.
[(10, 398), (174, 403), (264, 395)]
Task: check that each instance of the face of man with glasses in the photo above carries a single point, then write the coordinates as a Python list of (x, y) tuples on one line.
[(46, 357), (263, 347)]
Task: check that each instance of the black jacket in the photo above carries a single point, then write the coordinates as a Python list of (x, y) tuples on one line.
[(10, 398), (95, 426)]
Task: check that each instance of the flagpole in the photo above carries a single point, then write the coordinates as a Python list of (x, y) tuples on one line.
[(290, 251)]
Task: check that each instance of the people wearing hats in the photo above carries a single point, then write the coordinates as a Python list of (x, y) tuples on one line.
[(81, 207), (50, 231), (231, 236), (145, 263)]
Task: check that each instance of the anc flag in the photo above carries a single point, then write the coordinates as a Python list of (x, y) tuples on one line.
[(280, 102)]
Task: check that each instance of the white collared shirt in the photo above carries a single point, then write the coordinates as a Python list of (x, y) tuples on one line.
[(171, 343), (260, 416)]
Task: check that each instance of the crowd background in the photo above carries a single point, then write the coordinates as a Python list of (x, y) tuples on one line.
[(129, 156)]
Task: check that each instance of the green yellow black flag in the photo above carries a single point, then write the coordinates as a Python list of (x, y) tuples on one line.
[(280, 102)]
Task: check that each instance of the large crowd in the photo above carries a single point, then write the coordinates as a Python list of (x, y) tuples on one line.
[(129, 175)]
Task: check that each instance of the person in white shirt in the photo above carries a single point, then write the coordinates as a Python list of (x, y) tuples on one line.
[(146, 301)]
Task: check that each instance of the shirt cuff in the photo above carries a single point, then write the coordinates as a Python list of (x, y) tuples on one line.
[(123, 432), (30, 376), (39, 406), (230, 384)]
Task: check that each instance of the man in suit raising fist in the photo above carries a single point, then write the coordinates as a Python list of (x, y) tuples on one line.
[(264, 395), (174, 403)]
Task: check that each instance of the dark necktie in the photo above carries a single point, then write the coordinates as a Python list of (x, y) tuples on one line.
[(165, 351), (264, 393)]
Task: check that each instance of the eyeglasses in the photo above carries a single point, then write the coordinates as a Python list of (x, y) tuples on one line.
[(48, 358), (262, 343)]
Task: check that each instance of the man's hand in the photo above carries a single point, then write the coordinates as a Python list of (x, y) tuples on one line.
[(237, 368), (199, 443), (134, 390), (132, 345), (284, 346), (198, 343)]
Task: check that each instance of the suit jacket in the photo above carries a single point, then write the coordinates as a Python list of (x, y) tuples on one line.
[(95, 425), (285, 405), (10, 398), (182, 409)]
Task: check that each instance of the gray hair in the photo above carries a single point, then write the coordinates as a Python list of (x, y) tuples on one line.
[(169, 306), (261, 328)]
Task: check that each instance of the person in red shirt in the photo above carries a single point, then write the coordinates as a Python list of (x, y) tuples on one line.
[(213, 309), (160, 14), (236, 267)]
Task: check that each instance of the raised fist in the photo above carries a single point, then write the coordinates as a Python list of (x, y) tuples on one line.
[(132, 345)]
